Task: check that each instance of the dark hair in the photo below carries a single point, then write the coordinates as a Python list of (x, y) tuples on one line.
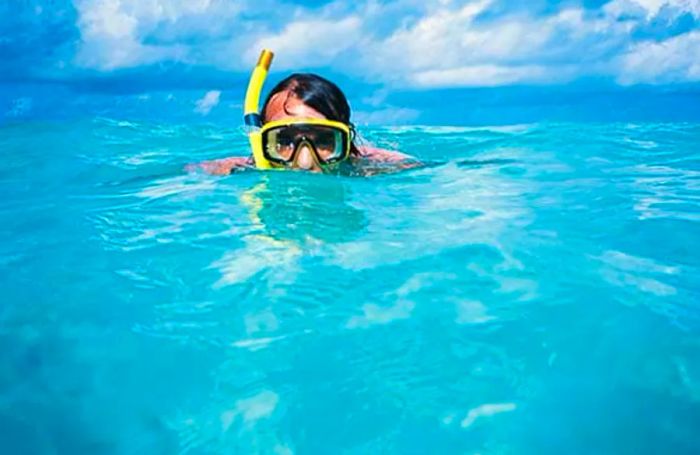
[(320, 94)]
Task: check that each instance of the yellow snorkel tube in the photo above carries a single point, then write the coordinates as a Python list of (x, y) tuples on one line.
[(251, 111)]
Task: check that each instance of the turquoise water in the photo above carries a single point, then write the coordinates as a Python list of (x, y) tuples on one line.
[(533, 290)]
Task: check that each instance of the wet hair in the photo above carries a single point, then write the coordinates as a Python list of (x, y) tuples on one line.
[(320, 94)]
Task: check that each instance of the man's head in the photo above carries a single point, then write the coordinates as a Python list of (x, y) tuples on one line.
[(308, 96)]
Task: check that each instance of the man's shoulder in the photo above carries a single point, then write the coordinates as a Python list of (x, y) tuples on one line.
[(379, 154), (222, 166)]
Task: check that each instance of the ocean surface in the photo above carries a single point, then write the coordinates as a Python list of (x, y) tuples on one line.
[(534, 289)]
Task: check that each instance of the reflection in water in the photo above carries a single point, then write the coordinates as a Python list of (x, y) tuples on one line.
[(289, 213), (304, 208)]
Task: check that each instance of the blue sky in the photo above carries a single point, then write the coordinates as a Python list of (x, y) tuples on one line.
[(400, 61)]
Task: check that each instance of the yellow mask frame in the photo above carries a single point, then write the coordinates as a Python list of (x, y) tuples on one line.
[(339, 126)]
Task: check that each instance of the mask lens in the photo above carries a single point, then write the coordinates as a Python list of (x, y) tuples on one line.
[(329, 143), (280, 144)]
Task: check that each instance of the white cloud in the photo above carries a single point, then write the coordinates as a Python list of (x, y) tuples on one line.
[(454, 47), (434, 41), (650, 9), (312, 42), (108, 35), (646, 8), (479, 76), (126, 33), (672, 60), (105, 18), (403, 43), (208, 102), (110, 39)]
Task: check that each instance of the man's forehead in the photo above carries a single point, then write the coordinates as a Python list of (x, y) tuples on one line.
[(286, 104)]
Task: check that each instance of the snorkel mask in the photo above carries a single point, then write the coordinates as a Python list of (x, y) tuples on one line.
[(277, 144)]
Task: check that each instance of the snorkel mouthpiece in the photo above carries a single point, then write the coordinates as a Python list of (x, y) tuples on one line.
[(251, 111)]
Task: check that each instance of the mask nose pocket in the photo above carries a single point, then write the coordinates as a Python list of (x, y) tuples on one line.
[(313, 154)]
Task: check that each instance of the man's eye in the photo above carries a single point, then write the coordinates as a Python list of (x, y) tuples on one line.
[(285, 139)]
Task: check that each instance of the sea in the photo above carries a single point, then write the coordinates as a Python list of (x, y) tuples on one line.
[(530, 289)]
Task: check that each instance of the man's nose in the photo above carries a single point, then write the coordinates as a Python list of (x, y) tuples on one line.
[(305, 158)]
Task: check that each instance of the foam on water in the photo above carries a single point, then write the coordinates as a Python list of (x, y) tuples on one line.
[(533, 289)]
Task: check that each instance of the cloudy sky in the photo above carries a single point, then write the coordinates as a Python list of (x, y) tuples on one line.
[(396, 59)]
